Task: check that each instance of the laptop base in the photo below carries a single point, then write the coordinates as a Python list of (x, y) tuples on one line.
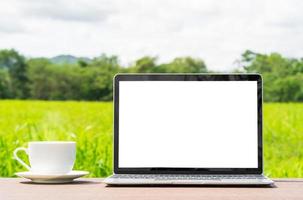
[(168, 179)]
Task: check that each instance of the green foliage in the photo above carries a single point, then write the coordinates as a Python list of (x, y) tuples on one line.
[(91, 79), (5, 84), (144, 65), (185, 65), (286, 89), (40, 78), (283, 77), (12, 61), (178, 65), (90, 125)]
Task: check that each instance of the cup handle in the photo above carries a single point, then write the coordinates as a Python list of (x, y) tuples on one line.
[(18, 159)]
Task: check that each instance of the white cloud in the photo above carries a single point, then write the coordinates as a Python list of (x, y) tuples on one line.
[(67, 11), (9, 19), (10, 26), (216, 31)]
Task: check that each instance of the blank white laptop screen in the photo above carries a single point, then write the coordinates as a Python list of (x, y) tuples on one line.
[(188, 124)]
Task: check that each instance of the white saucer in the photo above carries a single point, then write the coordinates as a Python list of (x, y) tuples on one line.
[(52, 178)]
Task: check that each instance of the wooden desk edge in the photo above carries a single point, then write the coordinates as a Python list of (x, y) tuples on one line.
[(3, 179)]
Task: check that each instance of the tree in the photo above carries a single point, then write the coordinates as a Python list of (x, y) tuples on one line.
[(17, 68), (145, 64), (288, 89), (5, 85), (282, 76), (99, 77), (184, 65)]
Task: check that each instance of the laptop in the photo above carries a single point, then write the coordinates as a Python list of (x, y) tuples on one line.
[(188, 129)]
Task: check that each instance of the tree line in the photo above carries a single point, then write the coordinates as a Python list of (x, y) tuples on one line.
[(40, 78), (282, 77)]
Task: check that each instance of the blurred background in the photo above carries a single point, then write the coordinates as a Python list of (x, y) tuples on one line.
[(58, 58)]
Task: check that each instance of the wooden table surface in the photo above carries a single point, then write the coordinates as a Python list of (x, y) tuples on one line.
[(91, 189)]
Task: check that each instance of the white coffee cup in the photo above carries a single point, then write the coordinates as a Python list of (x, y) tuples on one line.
[(49, 157)]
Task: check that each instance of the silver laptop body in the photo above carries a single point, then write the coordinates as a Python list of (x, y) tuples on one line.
[(188, 129)]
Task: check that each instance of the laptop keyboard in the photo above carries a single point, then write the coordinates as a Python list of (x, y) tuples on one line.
[(185, 177)]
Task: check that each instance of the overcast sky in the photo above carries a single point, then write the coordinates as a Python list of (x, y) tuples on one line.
[(217, 31)]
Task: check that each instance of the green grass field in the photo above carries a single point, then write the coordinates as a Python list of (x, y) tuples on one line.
[(90, 125)]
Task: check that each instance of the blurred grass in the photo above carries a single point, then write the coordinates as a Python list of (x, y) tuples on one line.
[(87, 123), (90, 125), (283, 139)]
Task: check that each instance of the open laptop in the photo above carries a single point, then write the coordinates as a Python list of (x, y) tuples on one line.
[(188, 129)]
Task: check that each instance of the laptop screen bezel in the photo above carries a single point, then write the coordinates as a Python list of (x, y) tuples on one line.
[(187, 77)]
